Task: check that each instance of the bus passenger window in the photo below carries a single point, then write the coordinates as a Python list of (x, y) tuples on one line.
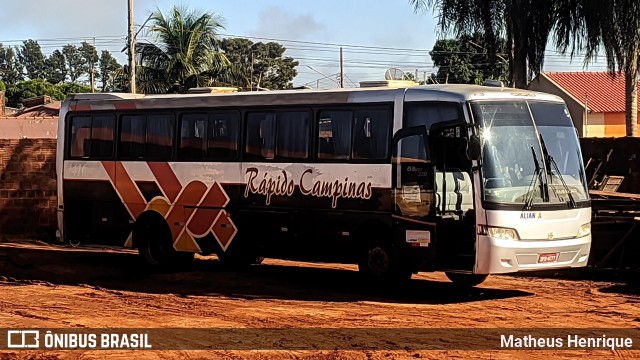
[(80, 144), (334, 134), (371, 134), (260, 135), (293, 134), (102, 134), (223, 136), (159, 137), (192, 137), (132, 133)]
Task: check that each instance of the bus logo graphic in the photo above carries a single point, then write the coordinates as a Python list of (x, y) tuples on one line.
[(530, 215), (192, 211), (23, 339)]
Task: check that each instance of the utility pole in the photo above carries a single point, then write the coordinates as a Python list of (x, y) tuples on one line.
[(132, 55), (341, 68), (93, 88)]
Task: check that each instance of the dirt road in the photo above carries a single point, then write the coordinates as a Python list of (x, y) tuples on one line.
[(58, 287)]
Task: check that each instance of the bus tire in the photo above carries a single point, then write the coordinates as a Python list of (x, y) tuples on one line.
[(155, 246), (377, 263), (466, 280)]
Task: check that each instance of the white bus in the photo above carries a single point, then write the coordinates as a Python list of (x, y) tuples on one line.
[(470, 180)]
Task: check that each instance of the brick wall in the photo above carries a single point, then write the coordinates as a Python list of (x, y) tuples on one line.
[(27, 187)]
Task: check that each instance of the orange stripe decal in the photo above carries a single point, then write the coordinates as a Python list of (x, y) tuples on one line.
[(166, 179), (179, 214)]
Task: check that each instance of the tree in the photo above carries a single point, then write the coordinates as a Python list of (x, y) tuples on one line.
[(3, 87), (185, 52), (526, 25), (90, 58), (10, 67), (611, 25), (55, 68), (31, 57), (75, 62), (31, 88), (465, 60), (259, 64), (73, 88), (108, 66)]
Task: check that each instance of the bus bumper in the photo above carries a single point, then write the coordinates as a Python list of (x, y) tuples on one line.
[(497, 256)]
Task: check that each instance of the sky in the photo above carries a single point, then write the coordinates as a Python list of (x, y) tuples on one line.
[(375, 34)]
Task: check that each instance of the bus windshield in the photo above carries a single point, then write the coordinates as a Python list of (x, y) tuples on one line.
[(531, 153)]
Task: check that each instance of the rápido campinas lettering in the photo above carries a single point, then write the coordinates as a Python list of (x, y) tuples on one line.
[(571, 341), (282, 185)]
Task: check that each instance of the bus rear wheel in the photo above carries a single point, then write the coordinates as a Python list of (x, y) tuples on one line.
[(466, 280), (155, 248)]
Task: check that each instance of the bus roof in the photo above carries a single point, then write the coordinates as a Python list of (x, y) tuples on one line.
[(446, 92)]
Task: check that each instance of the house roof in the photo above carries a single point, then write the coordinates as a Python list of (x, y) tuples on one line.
[(39, 111), (599, 91)]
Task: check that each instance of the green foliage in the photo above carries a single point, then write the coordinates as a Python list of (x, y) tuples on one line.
[(184, 54), (464, 60), (109, 68), (260, 64), (10, 67), (55, 68), (526, 26), (31, 57), (33, 88), (76, 66), (3, 87)]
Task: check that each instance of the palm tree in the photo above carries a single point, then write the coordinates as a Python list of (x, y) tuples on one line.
[(184, 54), (612, 26), (526, 24)]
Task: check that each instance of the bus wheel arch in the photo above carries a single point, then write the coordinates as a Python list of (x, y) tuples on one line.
[(152, 236), (376, 255)]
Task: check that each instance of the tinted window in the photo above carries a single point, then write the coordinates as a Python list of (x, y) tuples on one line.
[(92, 137), (371, 134), (192, 137), (550, 114), (80, 143), (293, 134), (334, 134), (132, 136), (159, 137), (429, 114), (223, 136), (102, 136), (260, 135)]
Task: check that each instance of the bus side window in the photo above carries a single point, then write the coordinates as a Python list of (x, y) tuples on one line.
[(371, 134), (102, 135), (293, 134), (260, 135), (192, 137), (222, 133), (79, 145), (159, 137), (334, 134), (132, 134)]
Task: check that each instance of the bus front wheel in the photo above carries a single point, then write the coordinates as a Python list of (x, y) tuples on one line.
[(377, 263), (466, 280)]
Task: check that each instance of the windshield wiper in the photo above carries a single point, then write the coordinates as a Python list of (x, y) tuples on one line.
[(553, 167), (537, 176)]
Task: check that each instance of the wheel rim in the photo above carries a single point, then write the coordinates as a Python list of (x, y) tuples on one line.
[(378, 261)]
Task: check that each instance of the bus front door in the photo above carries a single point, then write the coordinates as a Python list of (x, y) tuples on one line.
[(414, 198)]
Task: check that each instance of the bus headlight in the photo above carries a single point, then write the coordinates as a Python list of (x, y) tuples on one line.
[(498, 232), (584, 230)]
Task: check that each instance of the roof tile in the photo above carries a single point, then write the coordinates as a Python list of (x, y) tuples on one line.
[(600, 91)]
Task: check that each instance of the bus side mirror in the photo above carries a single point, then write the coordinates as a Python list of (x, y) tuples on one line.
[(474, 148)]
